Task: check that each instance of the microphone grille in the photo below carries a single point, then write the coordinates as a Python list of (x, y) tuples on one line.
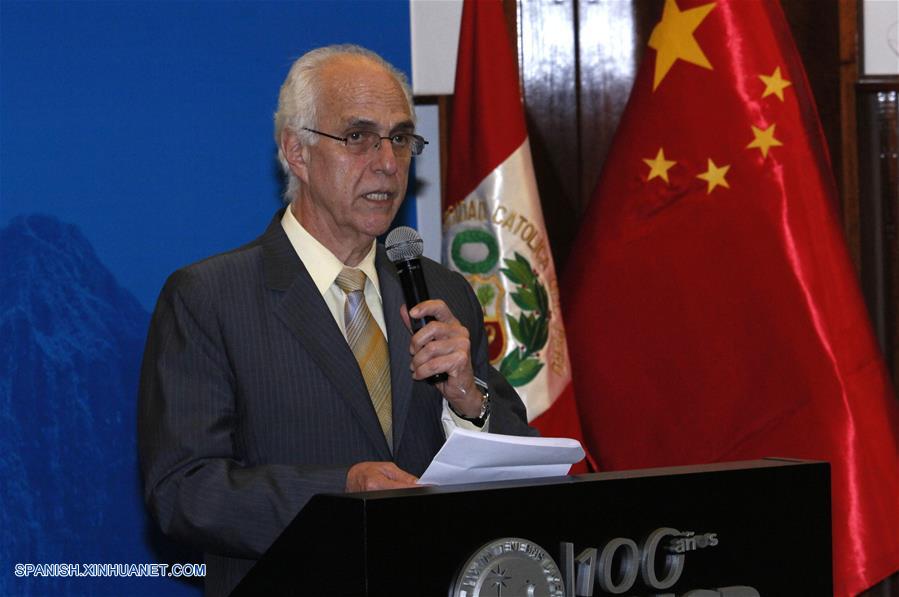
[(404, 243)]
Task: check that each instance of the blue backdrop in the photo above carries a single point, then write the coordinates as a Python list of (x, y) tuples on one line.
[(135, 137)]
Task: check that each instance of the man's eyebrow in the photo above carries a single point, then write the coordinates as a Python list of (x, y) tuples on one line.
[(407, 126), (361, 123), (365, 123)]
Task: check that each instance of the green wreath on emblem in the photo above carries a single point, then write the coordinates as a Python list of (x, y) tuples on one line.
[(531, 329), (475, 236)]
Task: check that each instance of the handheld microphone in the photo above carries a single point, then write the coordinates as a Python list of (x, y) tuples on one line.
[(404, 248)]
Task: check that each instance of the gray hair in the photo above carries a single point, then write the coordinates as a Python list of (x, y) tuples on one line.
[(298, 99)]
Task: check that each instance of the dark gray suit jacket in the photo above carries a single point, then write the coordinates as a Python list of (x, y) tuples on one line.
[(251, 400)]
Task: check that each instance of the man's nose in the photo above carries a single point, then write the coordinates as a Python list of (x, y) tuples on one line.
[(384, 159)]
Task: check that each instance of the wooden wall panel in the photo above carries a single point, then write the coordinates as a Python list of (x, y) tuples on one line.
[(612, 38), (577, 61), (547, 62), (848, 164), (816, 30)]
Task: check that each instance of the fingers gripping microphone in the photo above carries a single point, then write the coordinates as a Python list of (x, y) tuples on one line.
[(404, 248)]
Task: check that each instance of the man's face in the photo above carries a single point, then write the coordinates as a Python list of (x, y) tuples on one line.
[(347, 200)]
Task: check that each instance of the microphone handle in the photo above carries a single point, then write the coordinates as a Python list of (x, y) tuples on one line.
[(415, 291)]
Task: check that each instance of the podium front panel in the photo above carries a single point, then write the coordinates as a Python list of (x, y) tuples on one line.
[(737, 529)]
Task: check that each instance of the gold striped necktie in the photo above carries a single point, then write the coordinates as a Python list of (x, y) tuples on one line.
[(368, 344)]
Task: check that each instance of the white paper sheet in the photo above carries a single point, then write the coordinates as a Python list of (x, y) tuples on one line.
[(473, 457)]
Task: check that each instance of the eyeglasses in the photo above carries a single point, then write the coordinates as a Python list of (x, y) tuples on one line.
[(404, 145)]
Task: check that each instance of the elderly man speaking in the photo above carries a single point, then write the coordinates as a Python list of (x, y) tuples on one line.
[(286, 367)]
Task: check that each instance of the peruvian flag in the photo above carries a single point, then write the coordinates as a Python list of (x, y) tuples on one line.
[(493, 226)]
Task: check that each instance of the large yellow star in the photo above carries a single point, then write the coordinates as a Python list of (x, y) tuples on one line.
[(774, 84), (672, 38), (659, 166), (764, 140), (715, 176)]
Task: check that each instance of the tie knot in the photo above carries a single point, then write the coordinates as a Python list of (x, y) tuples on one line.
[(351, 280)]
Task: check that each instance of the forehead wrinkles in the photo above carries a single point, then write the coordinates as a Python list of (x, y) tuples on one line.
[(362, 90)]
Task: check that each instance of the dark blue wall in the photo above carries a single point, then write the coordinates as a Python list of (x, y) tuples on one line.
[(135, 137)]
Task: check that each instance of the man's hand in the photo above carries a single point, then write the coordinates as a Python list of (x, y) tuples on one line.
[(443, 346), (370, 476)]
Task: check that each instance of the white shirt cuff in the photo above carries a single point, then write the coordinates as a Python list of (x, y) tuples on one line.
[(451, 421)]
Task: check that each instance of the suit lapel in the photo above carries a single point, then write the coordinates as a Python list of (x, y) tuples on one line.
[(302, 309), (398, 338)]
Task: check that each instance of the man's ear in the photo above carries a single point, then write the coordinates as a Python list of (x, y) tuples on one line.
[(296, 154)]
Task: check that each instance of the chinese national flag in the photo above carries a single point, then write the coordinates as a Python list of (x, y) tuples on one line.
[(493, 225), (713, 312)]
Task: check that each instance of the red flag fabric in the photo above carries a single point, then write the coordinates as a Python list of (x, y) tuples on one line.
[(493, 226), (717, 313)]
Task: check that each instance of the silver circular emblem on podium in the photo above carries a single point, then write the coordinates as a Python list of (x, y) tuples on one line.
[(509, 567)]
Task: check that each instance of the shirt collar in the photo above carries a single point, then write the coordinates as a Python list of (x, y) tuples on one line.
[(322, 265)]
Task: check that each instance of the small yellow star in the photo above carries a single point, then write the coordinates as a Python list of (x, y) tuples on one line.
[(673, 40), (774, 84), (659, 166), (764, 140), (715, 176)]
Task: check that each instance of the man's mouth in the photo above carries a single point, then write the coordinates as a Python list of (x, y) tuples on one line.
[(378, 196)]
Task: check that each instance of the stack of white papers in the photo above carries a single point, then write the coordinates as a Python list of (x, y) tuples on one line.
[(474, 457)]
